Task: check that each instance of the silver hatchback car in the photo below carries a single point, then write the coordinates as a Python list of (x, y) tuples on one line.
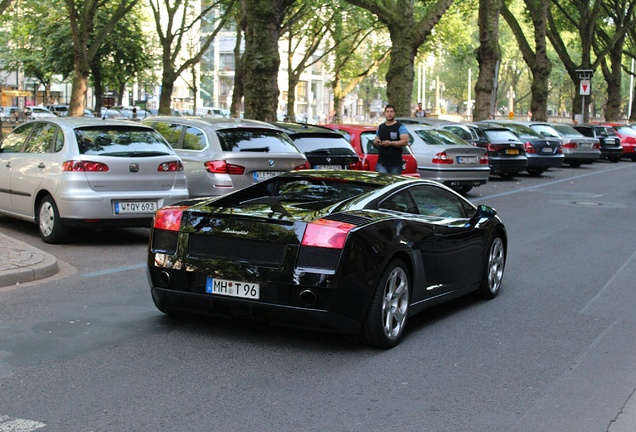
[(68, 172), (224, 155)]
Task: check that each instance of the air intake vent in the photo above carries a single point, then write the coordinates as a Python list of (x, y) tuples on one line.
[(244, 250), (348, 218)]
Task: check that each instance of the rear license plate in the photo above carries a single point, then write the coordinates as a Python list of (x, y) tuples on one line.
[(546, 150), (466, 159), (585, 145), (128, 207), (259, 176), (232, 288), (512, 151), (331, 167)]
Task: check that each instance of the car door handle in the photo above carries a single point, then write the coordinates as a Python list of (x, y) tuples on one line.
[(41, 165)]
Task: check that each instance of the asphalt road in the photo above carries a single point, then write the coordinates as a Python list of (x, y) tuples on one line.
[(86, 350)]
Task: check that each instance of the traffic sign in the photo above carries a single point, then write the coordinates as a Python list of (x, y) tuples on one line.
[(585, 88)]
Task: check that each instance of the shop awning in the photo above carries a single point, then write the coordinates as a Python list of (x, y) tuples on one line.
[(16, 93)]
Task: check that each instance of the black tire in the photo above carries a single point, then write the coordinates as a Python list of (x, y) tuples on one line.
[(507, 175), (575, 164), (614, 159), (50, 225), (388, 313), (493, 269), (535, 172)]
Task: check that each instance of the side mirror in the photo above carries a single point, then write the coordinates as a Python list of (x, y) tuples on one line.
[(483, 212)]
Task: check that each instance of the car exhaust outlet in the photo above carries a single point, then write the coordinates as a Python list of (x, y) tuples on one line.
[(165, 279), (308, 298)]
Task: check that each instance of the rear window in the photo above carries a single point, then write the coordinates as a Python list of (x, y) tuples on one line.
[(330, 144), (255, 140), (567, 130), (499, 136), (439, 137), (124, 141)]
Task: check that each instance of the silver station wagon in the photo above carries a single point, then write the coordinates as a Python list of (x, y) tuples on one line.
[(68, 172), (224, 155)]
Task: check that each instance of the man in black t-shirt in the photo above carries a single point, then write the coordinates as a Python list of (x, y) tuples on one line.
[(389, 139)]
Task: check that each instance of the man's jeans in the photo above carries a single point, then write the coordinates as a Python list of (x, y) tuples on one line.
[(388, 169)]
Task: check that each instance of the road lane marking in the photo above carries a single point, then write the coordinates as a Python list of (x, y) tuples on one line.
[(114, 270), (8, 424)]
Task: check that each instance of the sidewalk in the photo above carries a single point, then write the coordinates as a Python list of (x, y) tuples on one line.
[(20, 262)]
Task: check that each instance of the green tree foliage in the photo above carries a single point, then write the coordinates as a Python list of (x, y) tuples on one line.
[(87, 40), (176, 24), (409, 25)]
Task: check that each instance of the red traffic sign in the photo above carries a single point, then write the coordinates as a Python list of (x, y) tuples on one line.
[(585, 88)]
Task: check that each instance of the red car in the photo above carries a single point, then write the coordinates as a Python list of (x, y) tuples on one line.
[(627, 134), (361, 139)]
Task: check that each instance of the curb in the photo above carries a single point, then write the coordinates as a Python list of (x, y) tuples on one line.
[(21, 263)]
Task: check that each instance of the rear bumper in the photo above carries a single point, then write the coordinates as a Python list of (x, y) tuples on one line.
[(545, 161), (290, 316), (456, 177)]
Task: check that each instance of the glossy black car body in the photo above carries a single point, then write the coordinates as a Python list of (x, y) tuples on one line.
[(323, 147), (353, 252), (611, 148), (506, 153), (542, 153)]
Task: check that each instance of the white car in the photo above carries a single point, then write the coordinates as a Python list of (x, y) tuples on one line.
[(68, 172), (37, 112)]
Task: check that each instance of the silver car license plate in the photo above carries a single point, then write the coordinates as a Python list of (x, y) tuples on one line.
[(128, 207)]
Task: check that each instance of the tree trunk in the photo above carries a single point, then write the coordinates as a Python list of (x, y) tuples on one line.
[(78, 93), (165, 98), (262, 61), (400, 75), (488, 56), (98, 87), (541, 65), (613, 79)]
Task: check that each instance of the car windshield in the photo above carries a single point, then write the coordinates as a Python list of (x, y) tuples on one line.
[(439, 137), (124, 141), (567, 130), (324, 144), (255, 140)]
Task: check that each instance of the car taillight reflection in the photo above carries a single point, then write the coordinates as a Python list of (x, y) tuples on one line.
[(84, 166), (304, 166), (327, 234), (169, 218), (222, 167), (529, 148)]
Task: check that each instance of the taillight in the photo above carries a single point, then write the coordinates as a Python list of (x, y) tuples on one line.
[(303, 166), (326, 234), (596, 146), (494, 147), (483, 160), (442, 158), (84, 166), (222, 167), (171, 166), (529, 149), (570, 145), (355, 166), (169, 218)]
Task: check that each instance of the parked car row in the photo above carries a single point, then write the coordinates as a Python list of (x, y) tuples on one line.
[(64, 172)]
